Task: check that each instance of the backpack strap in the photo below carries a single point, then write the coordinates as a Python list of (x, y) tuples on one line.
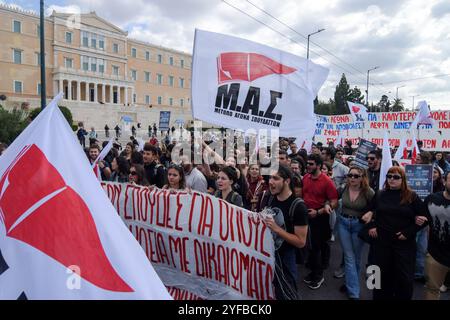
[(292, 208)]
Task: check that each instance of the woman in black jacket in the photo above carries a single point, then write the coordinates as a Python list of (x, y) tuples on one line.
[(398, 213)]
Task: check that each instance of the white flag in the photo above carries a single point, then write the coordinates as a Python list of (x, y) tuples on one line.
[(386, 162), (401, 149), (60, 236), (241, 84), (423, 116), (104, 153), (358, 111)]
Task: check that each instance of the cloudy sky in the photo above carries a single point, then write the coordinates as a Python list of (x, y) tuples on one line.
[(407, 39)]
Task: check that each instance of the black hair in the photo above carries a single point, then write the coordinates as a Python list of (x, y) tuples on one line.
[(286, 173), (377, 153), (446, 175), (316, 158), (230, 173), (137, 158), (123, 165), (331, 152), (151, 148)]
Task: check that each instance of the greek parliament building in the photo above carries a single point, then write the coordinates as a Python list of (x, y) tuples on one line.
[(106, 77)]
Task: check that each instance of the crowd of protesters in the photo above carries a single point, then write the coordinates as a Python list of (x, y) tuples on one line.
[(313, 197)]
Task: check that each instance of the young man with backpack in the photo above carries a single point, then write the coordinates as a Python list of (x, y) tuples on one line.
[(290, 229), (154, 171)]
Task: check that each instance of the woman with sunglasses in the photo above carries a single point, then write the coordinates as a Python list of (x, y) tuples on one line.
[(356, 196), (137, 175), (120, 169), (396, 210), (175, 178)]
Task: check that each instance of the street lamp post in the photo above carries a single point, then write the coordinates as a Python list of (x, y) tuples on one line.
[(42, 55), (396, 95), (367, 88), (307, 47)]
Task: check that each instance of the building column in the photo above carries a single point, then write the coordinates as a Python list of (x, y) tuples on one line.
[(86, 89), (60, 86), (78, 91), (111, 94), (69, 89), (118, 95), (126, 96), (103, 93), (132, 96), (95, 93)]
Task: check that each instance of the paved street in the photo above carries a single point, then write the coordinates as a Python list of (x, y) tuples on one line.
[(330, 288)]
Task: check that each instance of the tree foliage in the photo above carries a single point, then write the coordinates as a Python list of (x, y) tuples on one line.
[(12, 123)]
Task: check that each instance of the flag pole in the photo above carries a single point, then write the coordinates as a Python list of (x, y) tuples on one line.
[(42, 55)]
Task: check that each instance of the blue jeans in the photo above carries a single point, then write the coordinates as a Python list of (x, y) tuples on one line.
[(422, 243), (352, 247)]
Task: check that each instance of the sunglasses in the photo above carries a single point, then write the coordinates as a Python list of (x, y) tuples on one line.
[(353, 176), (133, 173), (310, 163), (393, 176), (371, 158)]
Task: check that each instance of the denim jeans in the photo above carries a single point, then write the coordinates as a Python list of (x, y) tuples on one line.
[(422, 244), (352, 247)]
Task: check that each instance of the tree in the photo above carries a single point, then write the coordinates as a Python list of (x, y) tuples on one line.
[(398, 105), (384, 104), (12, 123), (356, 96), (342, 95), (325, 108), (65, 111)]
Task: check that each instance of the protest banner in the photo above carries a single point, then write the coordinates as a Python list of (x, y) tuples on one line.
[(398, 125), (240, 84), (420, 178), (200, 246), (164, 120), (362, 152)]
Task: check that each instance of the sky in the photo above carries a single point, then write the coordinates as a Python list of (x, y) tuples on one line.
[(406, 39)]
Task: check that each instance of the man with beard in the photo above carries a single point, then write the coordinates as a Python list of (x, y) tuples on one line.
[(293, 234), (105, 171), (321, 197), (373, 172), (195, 180)]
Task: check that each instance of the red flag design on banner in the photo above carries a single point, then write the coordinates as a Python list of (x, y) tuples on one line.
[(35, 210), (248, 66)]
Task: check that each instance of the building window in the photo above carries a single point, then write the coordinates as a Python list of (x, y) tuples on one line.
[(171, 61), (68, 63), (171, 101), (85, 37), (101, 42), (133, 52), (159, 76), (39, 89), (38, 30), (181, 102), (38, 58), (147, 99), (115, 70), (93, 64), (159, 100), (93, 40), (17, 56), (147, 55), (101, 68), (181, 83), (134, 98), (182, 63), (18, 86), (134, 75), (147, 76), (171, 81), (159, 58), (17, 26), (69, 37), (85, 63), (115, 47)]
